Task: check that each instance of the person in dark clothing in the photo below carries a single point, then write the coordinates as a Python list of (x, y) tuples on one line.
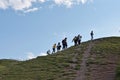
[(64, 43), (58, 47), (75, 40), (48, 52), (91, 35), (79, 39)]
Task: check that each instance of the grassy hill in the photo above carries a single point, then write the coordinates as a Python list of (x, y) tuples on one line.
[(64, 65)]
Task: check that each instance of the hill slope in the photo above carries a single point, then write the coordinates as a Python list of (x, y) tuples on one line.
[(96, 60)]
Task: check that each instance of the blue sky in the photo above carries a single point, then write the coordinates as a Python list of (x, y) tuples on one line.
[(29, 28)]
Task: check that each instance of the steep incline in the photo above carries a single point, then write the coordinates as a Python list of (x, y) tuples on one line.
[(96, 60), (103, 60), (83, 65)]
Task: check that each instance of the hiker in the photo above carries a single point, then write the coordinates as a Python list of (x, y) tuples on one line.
[(58, 47), (54, 47), (91, 35), (79, 39), (75, 40), (64, 43), (48, 52)]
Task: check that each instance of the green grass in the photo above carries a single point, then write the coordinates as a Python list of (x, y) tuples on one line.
[(51, 67), (107, 45), (102, 49), (57, 66)]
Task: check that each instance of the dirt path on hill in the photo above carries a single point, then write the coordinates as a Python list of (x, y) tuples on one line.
[(81, 73), (105, 70)]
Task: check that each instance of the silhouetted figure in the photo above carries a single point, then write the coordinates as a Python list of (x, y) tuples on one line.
[(48, 52), (54, 47), (75, 40), (64, 43), (58, 47), (79, 39), (91, 35)]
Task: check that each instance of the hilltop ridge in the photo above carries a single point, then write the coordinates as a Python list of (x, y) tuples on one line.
[(101, 63)]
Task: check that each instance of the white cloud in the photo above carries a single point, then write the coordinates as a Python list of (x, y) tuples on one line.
[(4, 4), (31, 10), (16, 4), (27, 5), (42, 1), (67, 3), (81, 1), (42, 54), (21, 4), (31, 55)]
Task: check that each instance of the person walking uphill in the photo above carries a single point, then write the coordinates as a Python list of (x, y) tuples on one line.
[(48, 52), (79, 39), (54, 46), (64, 43), (58, 47), (75, 40), (91, 35)]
